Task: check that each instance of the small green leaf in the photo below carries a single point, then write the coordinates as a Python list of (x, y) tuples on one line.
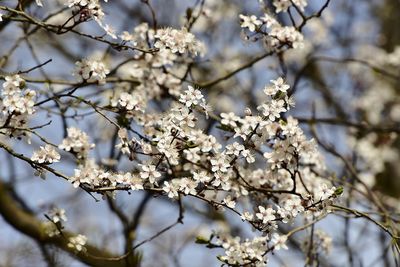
[(339, 191), (201, 240), (191, 145)]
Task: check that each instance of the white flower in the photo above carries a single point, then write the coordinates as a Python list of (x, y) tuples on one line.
[(250, 22), (77, 242), (219, 165), (266, 214), (183, 117), (246, 153), (191, 97), (201, 177), (12, 85), (272, 109), (91, 174), (291, 127), (240, 253), (293, 206), (187, 186), (16, 100), (279, 241), (247, 216), (91, 70), (324, 192), (281, 5), (149, 172), (92, 6), (50, 229), (229, 202), (46, 154), (127, 37), (210, 143), (170, 189), (76, 141), (269, 21), (234, 149), (57, 215), (178, 41), (229, 119), (20, 103), (278, 85), (288, 34), (129, 101), (136, 183)]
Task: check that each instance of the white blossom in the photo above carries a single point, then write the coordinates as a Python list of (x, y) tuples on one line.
[(149, 172), (250, 22), (46, 154), (247, 216), (323, 192), (16, 98), (91, 70), (288, 34), (93, 6), (269, 21), (279, 241), (219, 165), (178, 41), (77, 142), (201, 177), (229, 202), (273, 109), (266, 215), (191, 97), (278, 85), (57, 215), (77, 242), (281, 5), (170, 189), (229, 119)]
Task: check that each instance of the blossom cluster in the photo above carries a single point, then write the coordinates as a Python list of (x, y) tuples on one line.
[(16, 99), (284, 5), (245, 252), (90, 174), (77, 142), (77, 243), (147, 68), (46, 154), (178, 41), (252, 252), (275, 35), (262, 152), (91, 70), (57, 215), (259, 154), (17, 104), (196, 162), (91, 7)]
